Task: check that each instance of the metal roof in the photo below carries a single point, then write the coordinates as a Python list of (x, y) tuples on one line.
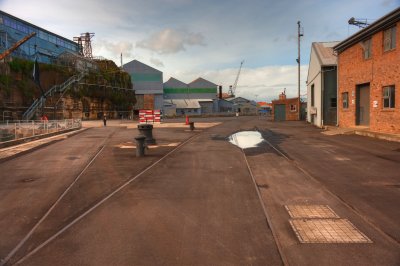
[(325, 54), (184, 103), (379, 25), (174, 83), (202, 83), (136, 66)]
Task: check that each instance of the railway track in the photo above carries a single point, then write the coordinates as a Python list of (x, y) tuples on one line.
[(11, 255), (271, 142)]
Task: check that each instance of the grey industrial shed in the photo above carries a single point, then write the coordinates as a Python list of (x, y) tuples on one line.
[(147, 83)]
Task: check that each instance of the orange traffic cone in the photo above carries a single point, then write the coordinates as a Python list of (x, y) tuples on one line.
[(187, 120)]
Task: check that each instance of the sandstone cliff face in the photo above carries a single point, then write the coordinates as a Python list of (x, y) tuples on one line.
[(107, 90)]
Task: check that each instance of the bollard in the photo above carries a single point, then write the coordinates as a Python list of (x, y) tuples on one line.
[(191, 124), (140, 145), (147, 131)]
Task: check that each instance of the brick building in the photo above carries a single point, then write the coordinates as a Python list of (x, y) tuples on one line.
[(369, 76), (285, 109)]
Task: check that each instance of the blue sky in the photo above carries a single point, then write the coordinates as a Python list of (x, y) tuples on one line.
[(187, 38)]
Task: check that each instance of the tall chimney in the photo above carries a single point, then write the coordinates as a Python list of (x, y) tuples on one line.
[(220, 92)]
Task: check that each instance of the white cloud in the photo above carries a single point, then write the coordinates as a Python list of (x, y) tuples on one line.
[(156, 62), (115, 48), (170, 41)]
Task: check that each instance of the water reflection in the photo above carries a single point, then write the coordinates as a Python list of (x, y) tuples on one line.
[(246, 139)]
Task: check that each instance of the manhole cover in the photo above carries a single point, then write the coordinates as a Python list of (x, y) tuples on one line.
[(310, 211), (327, 231)]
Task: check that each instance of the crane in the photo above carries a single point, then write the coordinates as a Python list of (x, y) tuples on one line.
[(232, 89), (16, 45)]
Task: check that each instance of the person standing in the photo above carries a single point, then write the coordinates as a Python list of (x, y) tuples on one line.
[(105, 120)]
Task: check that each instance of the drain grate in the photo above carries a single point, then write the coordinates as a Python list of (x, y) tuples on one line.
[(310, 211), (327, 231)]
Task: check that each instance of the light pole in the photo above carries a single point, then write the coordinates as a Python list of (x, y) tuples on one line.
[(299, 35)]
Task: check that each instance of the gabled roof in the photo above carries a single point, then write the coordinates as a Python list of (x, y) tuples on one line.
[(174, 83), (379, 25), (225, 100), (137, 66), (324, 51), (202, 83), (238, 99)]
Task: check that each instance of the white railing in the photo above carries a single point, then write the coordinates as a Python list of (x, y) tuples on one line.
[(14, 130)]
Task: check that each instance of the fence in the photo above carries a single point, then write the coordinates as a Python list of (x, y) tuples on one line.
[(14, 130)]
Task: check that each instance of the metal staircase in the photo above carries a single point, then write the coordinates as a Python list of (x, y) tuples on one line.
[(60, 89)]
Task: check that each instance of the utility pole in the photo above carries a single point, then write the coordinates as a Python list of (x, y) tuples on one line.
[(299, 35)]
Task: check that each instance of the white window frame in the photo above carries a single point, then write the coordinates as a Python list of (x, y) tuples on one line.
[(388, 94)]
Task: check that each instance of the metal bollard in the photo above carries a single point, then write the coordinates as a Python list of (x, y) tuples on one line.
[(140, 146), (191, 124), (147, 131)]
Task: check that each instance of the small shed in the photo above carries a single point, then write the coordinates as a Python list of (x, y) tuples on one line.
[(243, 106), (322, 85), (285, 109)]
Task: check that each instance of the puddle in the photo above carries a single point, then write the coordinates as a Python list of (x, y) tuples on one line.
[(246, 139)]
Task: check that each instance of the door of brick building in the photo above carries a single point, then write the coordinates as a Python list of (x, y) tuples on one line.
[(280, 112), (362, 105)]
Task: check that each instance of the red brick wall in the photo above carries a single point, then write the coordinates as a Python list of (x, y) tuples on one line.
[(290, 115), (382, 69)]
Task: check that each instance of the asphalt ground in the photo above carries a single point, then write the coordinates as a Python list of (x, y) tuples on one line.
[(199, 205), (358, 177)]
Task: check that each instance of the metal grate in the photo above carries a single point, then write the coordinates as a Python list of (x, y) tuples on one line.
[(310, 211), (327, 231)]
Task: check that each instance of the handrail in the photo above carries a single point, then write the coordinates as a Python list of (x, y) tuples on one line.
[(38, 103)]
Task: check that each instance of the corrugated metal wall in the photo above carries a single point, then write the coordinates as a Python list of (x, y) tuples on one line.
[(147, 83)]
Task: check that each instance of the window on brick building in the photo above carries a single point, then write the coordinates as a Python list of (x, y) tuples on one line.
[(388, 97), (345, 100), (293, 107), (367, 44), (389, 39)]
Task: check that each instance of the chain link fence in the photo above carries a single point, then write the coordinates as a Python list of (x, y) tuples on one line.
[(14, 130)]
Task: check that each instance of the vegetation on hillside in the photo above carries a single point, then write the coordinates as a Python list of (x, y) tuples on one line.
[(108, 83)]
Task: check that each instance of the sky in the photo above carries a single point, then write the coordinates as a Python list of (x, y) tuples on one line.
[(187, 39)]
